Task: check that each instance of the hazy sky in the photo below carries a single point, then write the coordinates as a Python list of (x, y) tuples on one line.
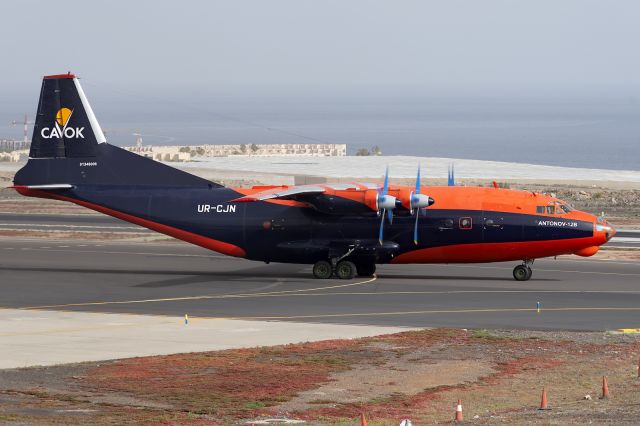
[(298, 47)]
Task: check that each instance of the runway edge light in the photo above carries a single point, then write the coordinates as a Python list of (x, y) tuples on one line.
[(186, 319)]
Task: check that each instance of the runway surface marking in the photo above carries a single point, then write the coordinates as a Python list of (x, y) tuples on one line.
[(217, 296), (547, 270), (587, 260), (449, 311), (121, 252), (304, 293), (355, 314), (42, 225)]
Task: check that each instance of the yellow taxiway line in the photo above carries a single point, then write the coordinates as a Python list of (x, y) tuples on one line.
[(204, 297), (425, 312)]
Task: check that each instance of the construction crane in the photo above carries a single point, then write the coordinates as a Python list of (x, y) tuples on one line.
[(26, 123), (138, 141)]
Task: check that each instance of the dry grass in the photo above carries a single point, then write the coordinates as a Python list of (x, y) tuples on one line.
[(227, 386)]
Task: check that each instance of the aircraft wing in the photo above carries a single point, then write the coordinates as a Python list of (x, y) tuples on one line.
[(338, 198), (281, 193)]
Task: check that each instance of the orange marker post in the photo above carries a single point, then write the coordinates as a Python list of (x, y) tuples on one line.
[(544, 404), (363, 420), (459, 416), (605, 388)]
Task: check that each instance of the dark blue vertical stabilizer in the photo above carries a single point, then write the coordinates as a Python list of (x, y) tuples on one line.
[(69, 147)]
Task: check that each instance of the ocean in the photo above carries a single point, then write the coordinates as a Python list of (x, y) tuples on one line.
[(587, 133)]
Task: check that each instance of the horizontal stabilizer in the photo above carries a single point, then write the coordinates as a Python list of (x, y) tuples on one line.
[(48, 186)]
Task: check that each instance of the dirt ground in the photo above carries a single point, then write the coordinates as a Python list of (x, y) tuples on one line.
[(420, 375)]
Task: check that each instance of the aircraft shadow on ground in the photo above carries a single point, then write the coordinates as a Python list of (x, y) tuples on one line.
[(182, 277), (260, 272), (214, 278)]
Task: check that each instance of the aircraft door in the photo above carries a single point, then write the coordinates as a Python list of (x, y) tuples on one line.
[(493, 227), (275, 230), (500, 227)]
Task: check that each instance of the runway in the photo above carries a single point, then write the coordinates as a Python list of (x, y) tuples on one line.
[(62, 222), (177, 279)]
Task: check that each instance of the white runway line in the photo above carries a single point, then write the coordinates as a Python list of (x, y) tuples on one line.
[(41, 225)]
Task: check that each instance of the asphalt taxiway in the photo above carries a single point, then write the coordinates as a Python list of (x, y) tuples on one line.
[(174, 279)]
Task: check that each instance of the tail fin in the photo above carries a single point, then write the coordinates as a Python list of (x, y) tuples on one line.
[(65, 125), (68, 147)]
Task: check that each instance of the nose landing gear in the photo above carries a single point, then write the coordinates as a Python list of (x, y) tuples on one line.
[(523, 272)]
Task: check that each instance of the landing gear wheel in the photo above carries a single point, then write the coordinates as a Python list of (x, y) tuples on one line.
[(529, 273), (322, 270), (366, 269), (346, 270), (522, 273)]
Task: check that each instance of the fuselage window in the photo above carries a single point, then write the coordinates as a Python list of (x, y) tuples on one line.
[(465, 223), (540, 209)]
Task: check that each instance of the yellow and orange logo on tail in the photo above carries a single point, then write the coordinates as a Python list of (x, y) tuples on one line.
[(63, 115), (61, 129)]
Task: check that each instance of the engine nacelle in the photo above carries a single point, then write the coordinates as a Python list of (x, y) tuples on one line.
[(386, 202), (419, 201), (412, 201), (371, 199)]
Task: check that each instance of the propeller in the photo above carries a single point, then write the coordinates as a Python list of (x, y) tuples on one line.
[(418, 201), (386, 204)]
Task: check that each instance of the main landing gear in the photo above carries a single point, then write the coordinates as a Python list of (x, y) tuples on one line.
[(523, 272), (343, 269)]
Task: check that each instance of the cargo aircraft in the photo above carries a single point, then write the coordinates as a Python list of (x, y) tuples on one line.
[(343, 230)]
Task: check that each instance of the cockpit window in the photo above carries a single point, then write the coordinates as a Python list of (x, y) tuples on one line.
[(551, 209), (540, 209), (566, 208)]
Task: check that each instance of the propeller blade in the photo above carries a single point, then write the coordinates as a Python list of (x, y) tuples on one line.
[(416, 198), (381, 233), (385, 188), (390, 216), (415, 228)]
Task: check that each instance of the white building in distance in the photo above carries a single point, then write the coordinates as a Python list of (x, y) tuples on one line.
[(186, 153)]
